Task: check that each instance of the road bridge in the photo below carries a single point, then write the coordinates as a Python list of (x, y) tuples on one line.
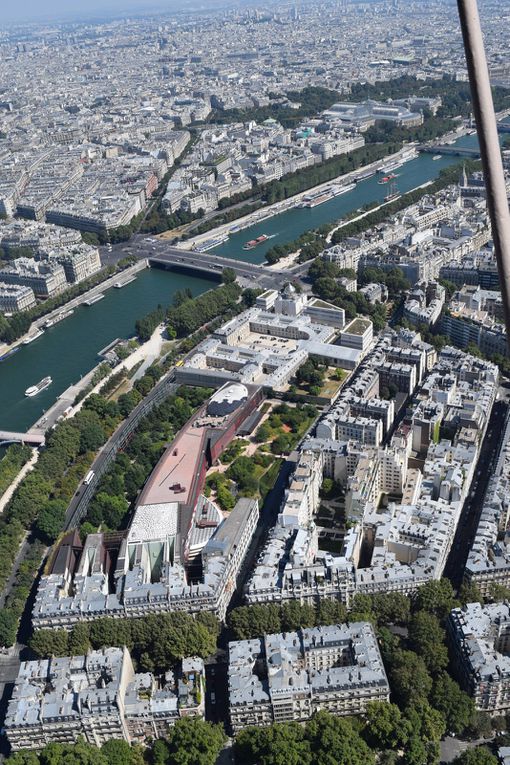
[(11, 437), (163, 255), (456, 151)]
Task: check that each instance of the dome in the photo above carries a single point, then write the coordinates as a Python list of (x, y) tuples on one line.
[(227, 399)]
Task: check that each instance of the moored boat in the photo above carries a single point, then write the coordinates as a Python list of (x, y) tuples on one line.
[(31, 338), (255, 242)]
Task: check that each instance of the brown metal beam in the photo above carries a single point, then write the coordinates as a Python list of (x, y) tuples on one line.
[(485, 117)]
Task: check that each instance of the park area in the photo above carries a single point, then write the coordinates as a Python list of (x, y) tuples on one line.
[(249, 466)]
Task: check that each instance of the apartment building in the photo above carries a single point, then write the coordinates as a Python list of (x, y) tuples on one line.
[(288, 677), (16, 297), (480, 639), (45, 279), (99, 697), (407, 539)]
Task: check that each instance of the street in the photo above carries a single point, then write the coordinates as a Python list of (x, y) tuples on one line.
[(470, 515)]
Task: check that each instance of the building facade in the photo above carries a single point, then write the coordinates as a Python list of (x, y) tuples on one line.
[(288, 677), (100, 697), (480, 639)]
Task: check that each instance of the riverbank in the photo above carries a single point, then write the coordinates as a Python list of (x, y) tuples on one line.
[(272, 211), (367, 212), (65, 406), (267, 219), (277, 208), (69, 350), (107, 284)]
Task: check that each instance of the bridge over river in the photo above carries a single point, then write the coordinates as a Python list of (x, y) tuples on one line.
[(163, 255), (11, 437), (447, 149)]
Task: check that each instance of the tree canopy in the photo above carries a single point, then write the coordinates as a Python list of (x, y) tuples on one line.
[(193, 741), (324, 740)]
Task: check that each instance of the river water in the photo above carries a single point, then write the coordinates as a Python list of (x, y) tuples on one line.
[(289, 225), (69, 349)]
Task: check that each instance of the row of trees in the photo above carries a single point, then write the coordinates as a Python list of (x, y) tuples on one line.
[(157, 219), (447, 176), (191, 741), (39, 503), (11, 463), (113, 752), (120, 485), (102, 371), (156, 642), (231, 213), (193, 314), (308, 177), (324, 740), (190, 313)]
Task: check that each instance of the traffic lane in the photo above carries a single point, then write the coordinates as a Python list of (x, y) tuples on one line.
[(253, 271), (470, 514), (216, 691)]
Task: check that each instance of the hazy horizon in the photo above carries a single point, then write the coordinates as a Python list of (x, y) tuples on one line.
[(60, 10)]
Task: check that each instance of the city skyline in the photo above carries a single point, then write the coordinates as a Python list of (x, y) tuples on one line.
[(34, 12)]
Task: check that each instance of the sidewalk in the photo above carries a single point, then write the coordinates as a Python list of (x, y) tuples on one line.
[(4, 499)]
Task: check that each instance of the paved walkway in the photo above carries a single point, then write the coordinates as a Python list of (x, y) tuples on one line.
[(24, 548), (149, 352), (27, 467)]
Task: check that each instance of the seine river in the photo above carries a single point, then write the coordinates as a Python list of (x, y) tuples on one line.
[(289, 225), (69, 349)]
